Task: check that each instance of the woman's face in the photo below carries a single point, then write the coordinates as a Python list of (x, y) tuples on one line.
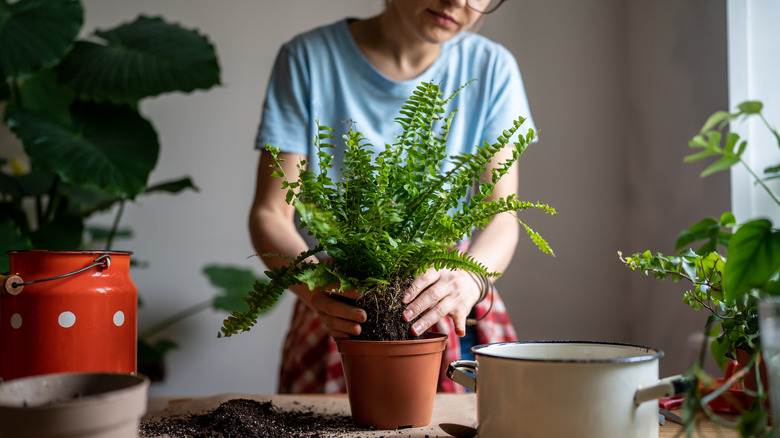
[(433, 21)]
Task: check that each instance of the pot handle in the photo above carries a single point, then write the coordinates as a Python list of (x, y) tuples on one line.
[(464, 372), (664, 388)]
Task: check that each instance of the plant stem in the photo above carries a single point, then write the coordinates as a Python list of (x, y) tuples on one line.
[(175, 319), (39, 210), (115, 225), (773, 130), (760, 182), (48, 214)]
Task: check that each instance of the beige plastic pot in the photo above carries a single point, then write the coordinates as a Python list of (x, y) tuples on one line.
[(83, 405), (565, 389)]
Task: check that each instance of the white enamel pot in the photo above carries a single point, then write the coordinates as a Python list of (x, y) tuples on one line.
[(565, 389)]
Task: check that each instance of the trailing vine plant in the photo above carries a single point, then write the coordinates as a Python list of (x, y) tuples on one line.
[(728, 274), (391, 215)]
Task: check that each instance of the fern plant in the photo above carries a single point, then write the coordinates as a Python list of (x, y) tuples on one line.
[(393, 214)]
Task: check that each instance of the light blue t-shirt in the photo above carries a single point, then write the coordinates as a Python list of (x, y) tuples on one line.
[(322, 75)]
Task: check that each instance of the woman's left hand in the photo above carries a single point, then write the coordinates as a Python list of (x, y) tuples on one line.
[(436, 294)]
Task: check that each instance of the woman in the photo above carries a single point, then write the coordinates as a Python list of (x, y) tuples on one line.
[(361, 71)]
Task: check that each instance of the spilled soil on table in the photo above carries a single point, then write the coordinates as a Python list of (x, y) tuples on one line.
[(249, 418)]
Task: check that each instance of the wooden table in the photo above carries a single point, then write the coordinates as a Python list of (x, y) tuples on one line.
[(703, 430), (459, 409)]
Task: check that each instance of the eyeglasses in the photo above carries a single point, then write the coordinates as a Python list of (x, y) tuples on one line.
[(484, 6)]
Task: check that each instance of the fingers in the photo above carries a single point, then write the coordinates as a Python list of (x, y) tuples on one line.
[(436, 294), (341, 318)]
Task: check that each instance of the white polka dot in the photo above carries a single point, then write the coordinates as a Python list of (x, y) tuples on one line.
[(16, 320), (119, 318), (67, 319)]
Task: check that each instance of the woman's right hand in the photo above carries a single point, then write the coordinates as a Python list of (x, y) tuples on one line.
[(341, 318)]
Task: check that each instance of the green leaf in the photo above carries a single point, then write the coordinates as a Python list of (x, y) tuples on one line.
[(720, 352), (717, 119), (727, 219), (704, 229), (144, 58), (43, 92), (750, 107), (109, 147), (35, 34), (753, 257), (101, 234), (724, 163), (11, 238), (707, 229), (172, 186), (151, 352), (30, 184), (65, 232), (233, 284)]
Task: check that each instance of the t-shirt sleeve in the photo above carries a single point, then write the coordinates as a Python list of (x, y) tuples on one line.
[(508, 98), (286, 116)]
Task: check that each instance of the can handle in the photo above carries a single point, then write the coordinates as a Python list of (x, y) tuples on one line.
[(664, 388), (13, 284), (464, 372)]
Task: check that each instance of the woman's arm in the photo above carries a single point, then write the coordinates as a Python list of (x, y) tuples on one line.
[(273, 231), (436, 294)]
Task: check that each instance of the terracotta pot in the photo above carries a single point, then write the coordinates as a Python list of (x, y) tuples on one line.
[(67, 311), (392, 384), (750, 382), (77, 405)]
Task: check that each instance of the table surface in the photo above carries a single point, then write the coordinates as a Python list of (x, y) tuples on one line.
[(458, 409)]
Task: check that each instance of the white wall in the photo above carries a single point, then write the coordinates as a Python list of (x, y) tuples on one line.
[(616, 89), (754, 65)]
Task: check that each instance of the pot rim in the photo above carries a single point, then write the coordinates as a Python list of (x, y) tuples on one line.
[(68, 251), (425, 338), (130, 384), (651, 353)]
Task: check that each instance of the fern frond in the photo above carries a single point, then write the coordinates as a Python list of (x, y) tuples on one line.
[(537, 239), (459, 260), (266, 294)]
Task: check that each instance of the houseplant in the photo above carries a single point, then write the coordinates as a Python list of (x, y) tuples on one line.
[(728, 272), (75, 105), (391, 216)]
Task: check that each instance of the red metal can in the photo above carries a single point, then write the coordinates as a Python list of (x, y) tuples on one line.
[(73, 311)]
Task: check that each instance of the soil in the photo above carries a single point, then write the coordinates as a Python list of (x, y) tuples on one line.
[(250, 418), (385, 320)]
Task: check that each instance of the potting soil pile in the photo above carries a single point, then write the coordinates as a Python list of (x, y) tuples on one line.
[(250, 418)]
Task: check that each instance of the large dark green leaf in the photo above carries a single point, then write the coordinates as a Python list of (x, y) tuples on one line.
[(109, 147), (11, 238), (753, 257), (35, 34), (85, 200), (144, 58), (64, 232), (234, 284), (43, 92)]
